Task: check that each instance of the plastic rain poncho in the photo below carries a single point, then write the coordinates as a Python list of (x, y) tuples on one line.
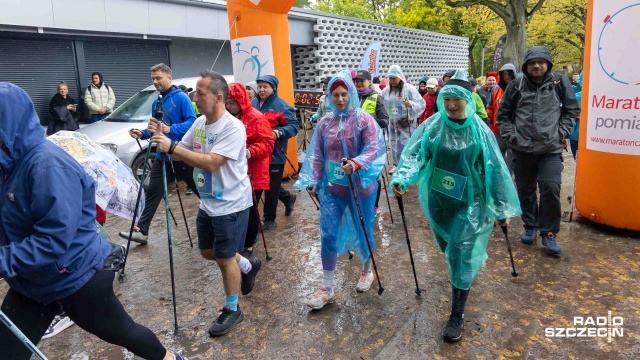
[(464, 184), (355, 135), (394, 101)]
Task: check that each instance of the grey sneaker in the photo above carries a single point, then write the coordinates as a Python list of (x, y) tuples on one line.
[(137, 236), (226, 321), (551, 244), (528, 237), (268, 225)]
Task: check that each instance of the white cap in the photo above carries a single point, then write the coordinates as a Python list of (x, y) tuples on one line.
[(431, 83)]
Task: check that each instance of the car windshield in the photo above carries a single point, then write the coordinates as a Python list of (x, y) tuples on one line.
[(136, 109)]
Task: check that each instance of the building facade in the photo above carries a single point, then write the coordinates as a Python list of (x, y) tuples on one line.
[(43, 42)]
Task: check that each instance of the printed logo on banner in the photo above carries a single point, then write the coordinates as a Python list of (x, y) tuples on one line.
[(252, 57), (613, 102)]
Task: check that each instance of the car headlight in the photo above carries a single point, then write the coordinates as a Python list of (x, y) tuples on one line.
[(112, 147)]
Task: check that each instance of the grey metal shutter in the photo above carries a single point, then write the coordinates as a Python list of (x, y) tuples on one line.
[(124, 65), (38, 66)]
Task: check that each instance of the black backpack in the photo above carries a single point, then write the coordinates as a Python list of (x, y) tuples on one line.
[(557, 85)]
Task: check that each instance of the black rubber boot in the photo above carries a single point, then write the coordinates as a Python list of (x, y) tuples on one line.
[(453, 329)]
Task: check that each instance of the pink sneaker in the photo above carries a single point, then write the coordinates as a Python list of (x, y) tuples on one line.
[(366, 279), (320, 299)]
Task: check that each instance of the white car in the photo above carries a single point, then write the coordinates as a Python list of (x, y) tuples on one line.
[(113, 131)]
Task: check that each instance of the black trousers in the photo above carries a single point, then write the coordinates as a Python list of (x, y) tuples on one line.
[(276, 192), (155, 191), (253, 226), (543, 172), (378, 193), (95, 308)]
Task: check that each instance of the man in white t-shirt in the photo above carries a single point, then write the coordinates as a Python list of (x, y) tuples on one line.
[(215, 147)]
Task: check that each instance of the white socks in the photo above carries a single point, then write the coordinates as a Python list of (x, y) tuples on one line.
[(328, 280), (245, 265)]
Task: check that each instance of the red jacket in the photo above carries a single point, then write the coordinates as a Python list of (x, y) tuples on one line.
[(430, 109), (259, 137), (492, 110)]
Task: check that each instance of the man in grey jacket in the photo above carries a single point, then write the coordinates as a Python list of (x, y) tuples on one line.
[(537, 113)]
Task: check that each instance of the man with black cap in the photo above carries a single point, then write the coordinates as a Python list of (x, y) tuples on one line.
[(372, 104), (537, 113)]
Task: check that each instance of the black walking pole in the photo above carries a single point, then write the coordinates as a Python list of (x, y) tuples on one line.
[(159, 112), (136, 208), (184, 217), (406, 232), (255, 201), (364, 229), (22, 337), (514, 273), (386, 192)]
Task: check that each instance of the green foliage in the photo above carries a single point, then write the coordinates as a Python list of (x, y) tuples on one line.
[(303, 4)]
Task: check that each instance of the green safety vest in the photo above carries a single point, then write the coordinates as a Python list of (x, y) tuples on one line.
[(369, 104)]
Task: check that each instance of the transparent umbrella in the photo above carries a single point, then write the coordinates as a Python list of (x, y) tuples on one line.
[(116, 186)]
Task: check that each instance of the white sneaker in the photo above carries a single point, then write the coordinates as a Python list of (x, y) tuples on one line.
[(320, 299), (60, 322), (366, 279)]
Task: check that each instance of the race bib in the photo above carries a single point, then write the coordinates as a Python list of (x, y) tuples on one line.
[(448, 183), (206, 186), (336, 174)]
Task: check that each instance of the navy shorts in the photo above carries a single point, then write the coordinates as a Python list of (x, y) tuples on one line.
[(224, 234)]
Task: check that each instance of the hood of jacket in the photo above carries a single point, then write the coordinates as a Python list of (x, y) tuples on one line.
[(506, 67), (536, 52), (238, 93), (354, 100), (273, 81), (395, 70), (20, 129)]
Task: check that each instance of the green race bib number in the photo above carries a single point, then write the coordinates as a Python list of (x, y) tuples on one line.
[(448, 183)]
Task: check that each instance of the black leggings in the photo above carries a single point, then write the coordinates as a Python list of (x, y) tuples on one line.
[(95, 308)]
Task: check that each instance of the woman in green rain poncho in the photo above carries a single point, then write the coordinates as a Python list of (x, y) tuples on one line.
[(464, 186)]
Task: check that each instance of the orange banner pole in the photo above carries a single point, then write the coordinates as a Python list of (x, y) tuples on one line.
[(253, 18), (608, 169)]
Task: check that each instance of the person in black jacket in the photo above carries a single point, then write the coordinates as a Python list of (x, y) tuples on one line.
[(537, 113), (62, 108)]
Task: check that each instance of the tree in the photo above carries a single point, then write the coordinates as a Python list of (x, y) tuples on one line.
[(515, 14), (306, 4), (375, 10), (475, 23)]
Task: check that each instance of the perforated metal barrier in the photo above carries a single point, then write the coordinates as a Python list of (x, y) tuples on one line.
[(341, 44)]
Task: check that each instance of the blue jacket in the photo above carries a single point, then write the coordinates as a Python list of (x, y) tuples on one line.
[(49, 247), (274, 104), (179, 113)]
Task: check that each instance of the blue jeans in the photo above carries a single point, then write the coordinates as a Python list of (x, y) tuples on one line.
[(98, 117)]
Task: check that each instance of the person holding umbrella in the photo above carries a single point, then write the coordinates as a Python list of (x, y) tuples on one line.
[(347, 132), (464, 187), (50, 253)]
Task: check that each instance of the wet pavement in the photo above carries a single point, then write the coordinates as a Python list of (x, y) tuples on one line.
[(506, 317)]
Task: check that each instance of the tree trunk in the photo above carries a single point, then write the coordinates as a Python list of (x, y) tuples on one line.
[(516, 42)]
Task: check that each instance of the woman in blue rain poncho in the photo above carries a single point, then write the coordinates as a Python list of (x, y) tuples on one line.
[(346, 132), (399, 96), (464, 186)]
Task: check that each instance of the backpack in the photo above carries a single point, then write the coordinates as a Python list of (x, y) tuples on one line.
[(557, 85), (105, 85)]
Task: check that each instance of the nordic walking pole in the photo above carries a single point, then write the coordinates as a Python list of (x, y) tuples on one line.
[(514, 273), (386, 192), (255, 201), (136, 208), (159, 112), (173, 217), (295, 173), (22, 337), (184, 217), (364, 229), (406, 233)]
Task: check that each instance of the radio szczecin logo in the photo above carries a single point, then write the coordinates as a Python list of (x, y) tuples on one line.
[(589, 327)]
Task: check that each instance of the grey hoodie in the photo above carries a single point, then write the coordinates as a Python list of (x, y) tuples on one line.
[(532, 117)]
